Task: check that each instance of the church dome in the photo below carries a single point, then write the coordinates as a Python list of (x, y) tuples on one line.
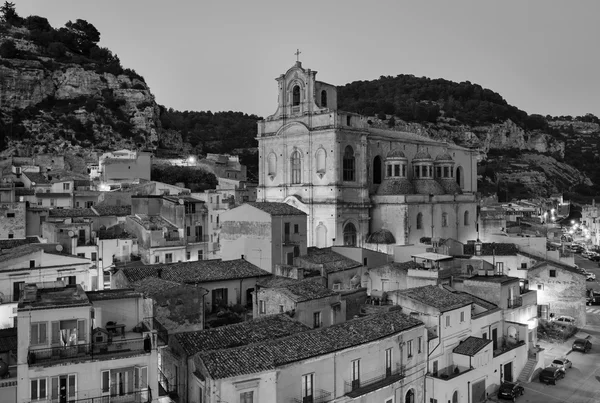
[(422, 156), (396, 154), (443, 157), (395, 186), (428, 187), (450, 186), (382, 236)]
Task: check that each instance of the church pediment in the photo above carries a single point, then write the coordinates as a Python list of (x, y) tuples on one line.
[(293, 128)]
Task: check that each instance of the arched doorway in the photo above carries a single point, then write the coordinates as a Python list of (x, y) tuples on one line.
[(455, 397), (349, 235), (377, 170), (410, 396)]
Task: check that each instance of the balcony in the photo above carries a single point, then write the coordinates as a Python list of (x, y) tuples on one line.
[(138, 396), (197, 239), (319, 396), (515, 302), (505, 348), (451, 372), (372, 381), (117, 348)]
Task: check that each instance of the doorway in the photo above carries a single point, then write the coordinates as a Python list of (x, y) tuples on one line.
[(495, 338), (508, 372)]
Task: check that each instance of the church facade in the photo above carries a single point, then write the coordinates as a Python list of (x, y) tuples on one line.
[(356, 183)]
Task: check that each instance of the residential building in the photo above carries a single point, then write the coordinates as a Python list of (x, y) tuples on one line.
[(266, 234), (353, 178), (8, 356), (12, 219), (75, 345), (340, 272), (388, 277), (373, 358), (124, 166), (309, 301), (231, 282)]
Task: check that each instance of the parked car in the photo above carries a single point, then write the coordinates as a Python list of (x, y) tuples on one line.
[(510, 390), (595, 300), (582, 345), (565, 320), (550, 375), (594, 257), (562, 362), (590, 276), (585, 254)]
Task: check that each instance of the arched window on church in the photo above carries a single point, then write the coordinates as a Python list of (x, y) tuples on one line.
[(348, 165), (296, 166), (444, 219), (350, 235), (296, 95), (323, 99), (272, 164), (466, 220), (377, 170), (420, 221), (321, 161)]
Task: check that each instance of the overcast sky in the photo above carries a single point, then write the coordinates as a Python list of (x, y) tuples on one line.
[(540, 55)]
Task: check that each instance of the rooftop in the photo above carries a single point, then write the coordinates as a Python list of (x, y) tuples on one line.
[(197, 271), (152, 222), (19, 251), (37, 178), (53, 194), (60, 297), (24, 192), (436, 297), (471, 346), (498, 279), (71, 212), (121, 293), (330, 260), (490, 249), (105, 210), (541, 261), (13, 243), (253, 331), (404, 266), (276, 209), (154, 286), (435, 257), (306, 290), (270, 354)]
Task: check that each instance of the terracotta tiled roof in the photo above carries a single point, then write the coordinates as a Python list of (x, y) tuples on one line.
[(19, 251), (8, 339), (24, 192), (268, 355), (276, 281), (479, 301), (471, 346), (404, 266), (489, 249), (71, 212), (120, 293), (493, 279), (252, 331), (395, 186), (306, 290), (541, 261), (196, 272), (37, 177), (105, 210), (436, 297), (13, 243), (427, 187), (53, 194), (331, 261), (273, 208), (154, 286)]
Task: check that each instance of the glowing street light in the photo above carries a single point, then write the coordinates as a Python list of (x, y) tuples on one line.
[(191, 160)]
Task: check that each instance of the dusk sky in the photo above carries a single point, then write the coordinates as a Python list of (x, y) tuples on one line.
[(540, 55)]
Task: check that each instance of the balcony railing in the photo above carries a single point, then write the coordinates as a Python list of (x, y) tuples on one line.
[(319, 396), (200, 238), (508, 347), (372, 381), (89, 351), (138, 396), (515, 302), (151, 323)]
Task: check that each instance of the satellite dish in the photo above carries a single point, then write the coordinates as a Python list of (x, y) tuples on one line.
[(32, 183), (71, 234), (59, 248)]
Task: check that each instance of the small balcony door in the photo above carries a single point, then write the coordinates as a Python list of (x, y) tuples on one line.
[(307, 388)]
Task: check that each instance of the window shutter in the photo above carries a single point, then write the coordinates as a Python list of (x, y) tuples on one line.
[(105, 382), (81, 330), (34, 389), (55, 338), (43, 336), (144, 378), (54, 388), (72, 385), (34, 334), (136, 378)]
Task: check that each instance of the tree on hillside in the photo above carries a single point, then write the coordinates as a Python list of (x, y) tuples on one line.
[(9, 14), (192, 178), (86, 35), (8, 50)]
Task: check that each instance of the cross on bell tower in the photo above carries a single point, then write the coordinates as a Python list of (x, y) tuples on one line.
[(297, 55)]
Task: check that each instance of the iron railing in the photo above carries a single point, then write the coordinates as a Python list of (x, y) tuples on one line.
[(138, 396), (373, 380), (151, 323), (84, 351), (515, 302), (319, 396)]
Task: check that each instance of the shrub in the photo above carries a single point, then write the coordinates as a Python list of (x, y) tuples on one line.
[(139, 86), (8, 50), (57, 49)]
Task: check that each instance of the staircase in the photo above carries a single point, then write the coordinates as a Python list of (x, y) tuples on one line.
[(525, 375)]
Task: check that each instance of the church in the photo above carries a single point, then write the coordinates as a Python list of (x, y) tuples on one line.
[(359, 184)]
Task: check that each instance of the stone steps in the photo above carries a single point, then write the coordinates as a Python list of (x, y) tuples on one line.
[(525, 374)]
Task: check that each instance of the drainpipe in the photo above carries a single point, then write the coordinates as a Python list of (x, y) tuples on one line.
[(469, 392)]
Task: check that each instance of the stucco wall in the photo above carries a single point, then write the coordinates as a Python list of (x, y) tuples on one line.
[(12, 225)]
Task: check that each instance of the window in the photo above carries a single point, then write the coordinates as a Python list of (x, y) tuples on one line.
[(66, 186), (466, 219), (261, 307), (349, 235), (419, 344), (39, 333), (523, 265), (280, 308), (82, 255), (462, 317), (455, 397), (500, 267), (52, 202), (296, 95), (94, 256), (38, 389), (552, 273), (348, 165), (168, 258), (388, 362), (444, 219), (409, 350), (188, 231), (484, 336), (348, 120), (355, 374), (434, 372), (447, 320), (120, 382), (323, 99), (156, 259), (540, 287), (542, 311), (410, 396), (10, 215), (316, 320), (68, 332), (247, 397), (32, 264), (377, 170), (321, 161), (307, 388), (188, 255), (63, 385), (290, 258), (296, 168), (419, 221), (11, 235), (200, 255), (272, 164), (296, 229)]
